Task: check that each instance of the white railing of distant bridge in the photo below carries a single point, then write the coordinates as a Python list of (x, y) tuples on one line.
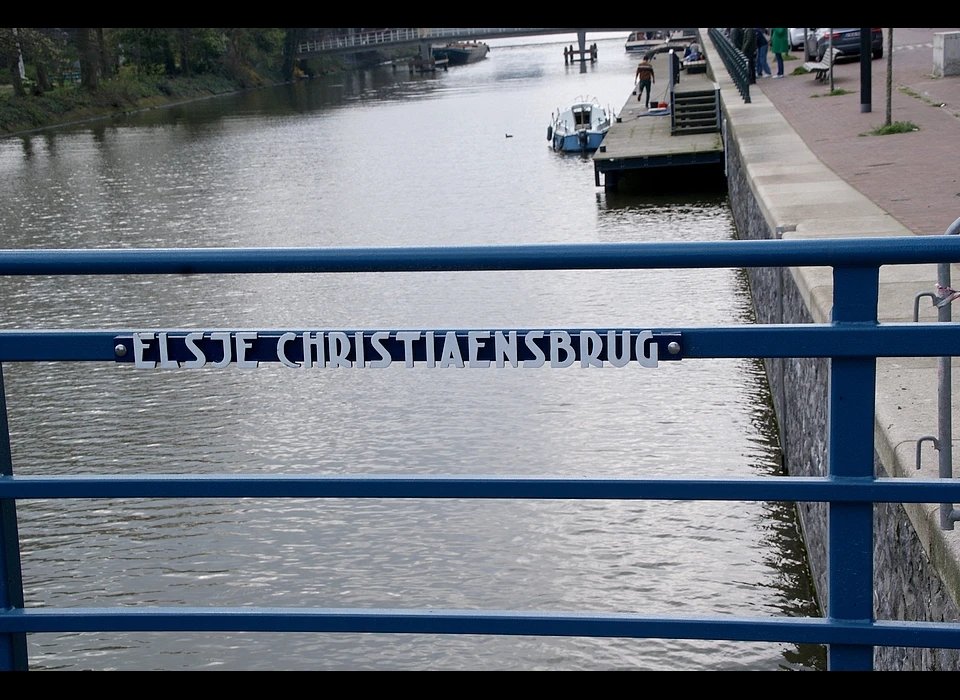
[(392, 36)]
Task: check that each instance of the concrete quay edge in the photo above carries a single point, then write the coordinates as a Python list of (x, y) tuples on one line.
[(796, 191)]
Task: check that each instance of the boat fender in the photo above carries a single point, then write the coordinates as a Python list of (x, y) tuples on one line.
[(583, 138), (549, 133)]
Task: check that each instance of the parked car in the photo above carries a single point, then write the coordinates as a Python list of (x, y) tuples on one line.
[(847, 41), (796, 37)]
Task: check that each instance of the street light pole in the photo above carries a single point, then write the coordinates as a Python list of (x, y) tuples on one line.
[(866, 71)]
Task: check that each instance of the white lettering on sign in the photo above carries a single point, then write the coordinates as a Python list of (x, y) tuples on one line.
[(282, 349), (538, 356), (376, 340), (224, 339), (379, 349), (506, 348), (141, 342), (199, 359)]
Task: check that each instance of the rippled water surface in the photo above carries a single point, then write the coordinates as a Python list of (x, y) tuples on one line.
[(378, 158)]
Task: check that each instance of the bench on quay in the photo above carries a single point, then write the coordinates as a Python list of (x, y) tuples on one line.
[(822, 67)]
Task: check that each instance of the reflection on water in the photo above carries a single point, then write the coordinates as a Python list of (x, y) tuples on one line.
[(369, 159)]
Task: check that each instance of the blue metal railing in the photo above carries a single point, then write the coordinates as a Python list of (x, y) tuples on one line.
[(853, 341)]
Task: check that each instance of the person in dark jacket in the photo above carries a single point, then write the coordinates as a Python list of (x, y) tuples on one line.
[(749, 48), (762, 45), (736, 37)]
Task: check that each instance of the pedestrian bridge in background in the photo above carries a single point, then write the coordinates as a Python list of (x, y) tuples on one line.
[(386, 39)]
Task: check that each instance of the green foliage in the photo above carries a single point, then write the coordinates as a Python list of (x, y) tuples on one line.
[(198, 50), (146, 49), (799, 70), (833, 93), (894, 128), (269, 43), (918, 96), (33, 111), (120, 94), (251, 49), (137, 67)]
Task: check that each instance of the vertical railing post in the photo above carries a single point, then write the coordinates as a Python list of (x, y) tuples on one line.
[(673, 93), (945, 395), (13, 645), (850, 436), (948, 514)]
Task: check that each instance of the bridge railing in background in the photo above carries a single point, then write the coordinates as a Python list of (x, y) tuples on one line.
[(379, 38), (853, 341)]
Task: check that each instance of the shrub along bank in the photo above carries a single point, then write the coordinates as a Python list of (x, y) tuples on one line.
[(73, 103)]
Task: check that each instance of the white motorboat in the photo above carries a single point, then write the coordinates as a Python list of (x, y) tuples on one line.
[(581, 127)]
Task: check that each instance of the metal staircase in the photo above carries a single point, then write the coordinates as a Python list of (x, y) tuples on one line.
[(695, 112)]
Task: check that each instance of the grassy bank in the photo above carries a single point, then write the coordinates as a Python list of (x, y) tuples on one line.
[(71, 103)]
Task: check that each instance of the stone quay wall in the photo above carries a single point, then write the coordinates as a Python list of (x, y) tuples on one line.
[(907, 584)]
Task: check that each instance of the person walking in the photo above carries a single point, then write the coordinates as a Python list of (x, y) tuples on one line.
[(762, 45), (645, 78), (779, 44)]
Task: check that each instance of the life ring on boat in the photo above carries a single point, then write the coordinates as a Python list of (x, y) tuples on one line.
[(549, 133)]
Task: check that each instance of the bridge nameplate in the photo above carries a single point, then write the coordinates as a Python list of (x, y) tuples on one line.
[(377, 349)]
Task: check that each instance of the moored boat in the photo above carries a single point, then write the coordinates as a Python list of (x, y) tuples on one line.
[(579, 128), (462, 52), (642, 42), (658, 41)]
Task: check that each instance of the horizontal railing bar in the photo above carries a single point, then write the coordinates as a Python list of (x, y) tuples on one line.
[(787, 340), (772, 488), (494, 622), (858, 252)]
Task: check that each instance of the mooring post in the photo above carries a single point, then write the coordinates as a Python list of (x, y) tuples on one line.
[(426, 55), (850, 439)]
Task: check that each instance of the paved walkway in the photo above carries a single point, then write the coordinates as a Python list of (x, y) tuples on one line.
[(915, 176)]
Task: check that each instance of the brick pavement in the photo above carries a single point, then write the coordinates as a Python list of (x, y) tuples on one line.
[(913, 176)]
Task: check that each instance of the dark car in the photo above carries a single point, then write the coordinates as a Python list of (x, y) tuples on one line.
[(847, 41)]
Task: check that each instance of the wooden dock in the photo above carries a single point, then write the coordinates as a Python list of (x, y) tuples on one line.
[(640, 148)]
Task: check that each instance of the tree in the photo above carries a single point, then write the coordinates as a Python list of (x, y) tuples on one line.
[(149, 49), (10, 55), (290, 43), (43, 49), (89, 59), (889, 77), (104, 56), (185, 41)]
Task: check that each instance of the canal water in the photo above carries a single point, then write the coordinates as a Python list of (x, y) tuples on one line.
[(378, 158)]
